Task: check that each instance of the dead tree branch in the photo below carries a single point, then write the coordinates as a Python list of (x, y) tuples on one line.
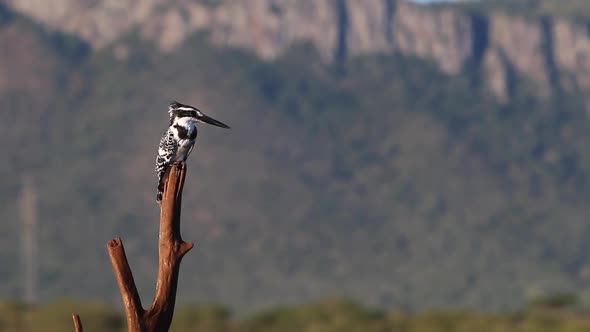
[(131, 300), (171, 250), (77, 323)]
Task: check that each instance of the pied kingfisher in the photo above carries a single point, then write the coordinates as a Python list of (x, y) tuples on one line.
[(179, 139)]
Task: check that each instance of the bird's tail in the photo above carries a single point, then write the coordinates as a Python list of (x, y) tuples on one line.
[(160, 186)]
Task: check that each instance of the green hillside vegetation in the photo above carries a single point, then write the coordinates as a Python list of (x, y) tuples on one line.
[(320, 316), (378, 178)]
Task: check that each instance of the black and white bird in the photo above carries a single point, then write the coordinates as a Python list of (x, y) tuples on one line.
[(179, 139)]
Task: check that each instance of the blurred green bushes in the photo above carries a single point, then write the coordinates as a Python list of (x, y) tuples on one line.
[(323, 316)]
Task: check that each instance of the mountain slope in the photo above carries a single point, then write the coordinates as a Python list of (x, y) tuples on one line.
[(377, 177)]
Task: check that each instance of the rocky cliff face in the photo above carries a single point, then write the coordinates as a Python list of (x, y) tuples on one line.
[(506, 48)]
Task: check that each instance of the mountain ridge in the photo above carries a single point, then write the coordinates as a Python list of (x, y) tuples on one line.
[(503, 46)]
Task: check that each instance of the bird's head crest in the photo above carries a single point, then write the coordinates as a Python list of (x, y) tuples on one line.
[(178, 110), (173, 108)]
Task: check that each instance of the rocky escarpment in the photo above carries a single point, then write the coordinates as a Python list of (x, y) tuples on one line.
[(545, 52)]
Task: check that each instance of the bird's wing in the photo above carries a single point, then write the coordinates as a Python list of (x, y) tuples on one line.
[(166, 151)]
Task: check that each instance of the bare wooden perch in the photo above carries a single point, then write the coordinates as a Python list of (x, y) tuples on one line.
[(171, 250), (77, 323)]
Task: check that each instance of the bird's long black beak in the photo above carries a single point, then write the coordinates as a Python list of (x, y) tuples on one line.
[(212, 121)]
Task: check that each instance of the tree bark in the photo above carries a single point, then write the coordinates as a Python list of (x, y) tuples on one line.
[(171, 250)]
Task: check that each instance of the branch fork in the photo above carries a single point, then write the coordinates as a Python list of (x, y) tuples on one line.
[(172, 248)]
